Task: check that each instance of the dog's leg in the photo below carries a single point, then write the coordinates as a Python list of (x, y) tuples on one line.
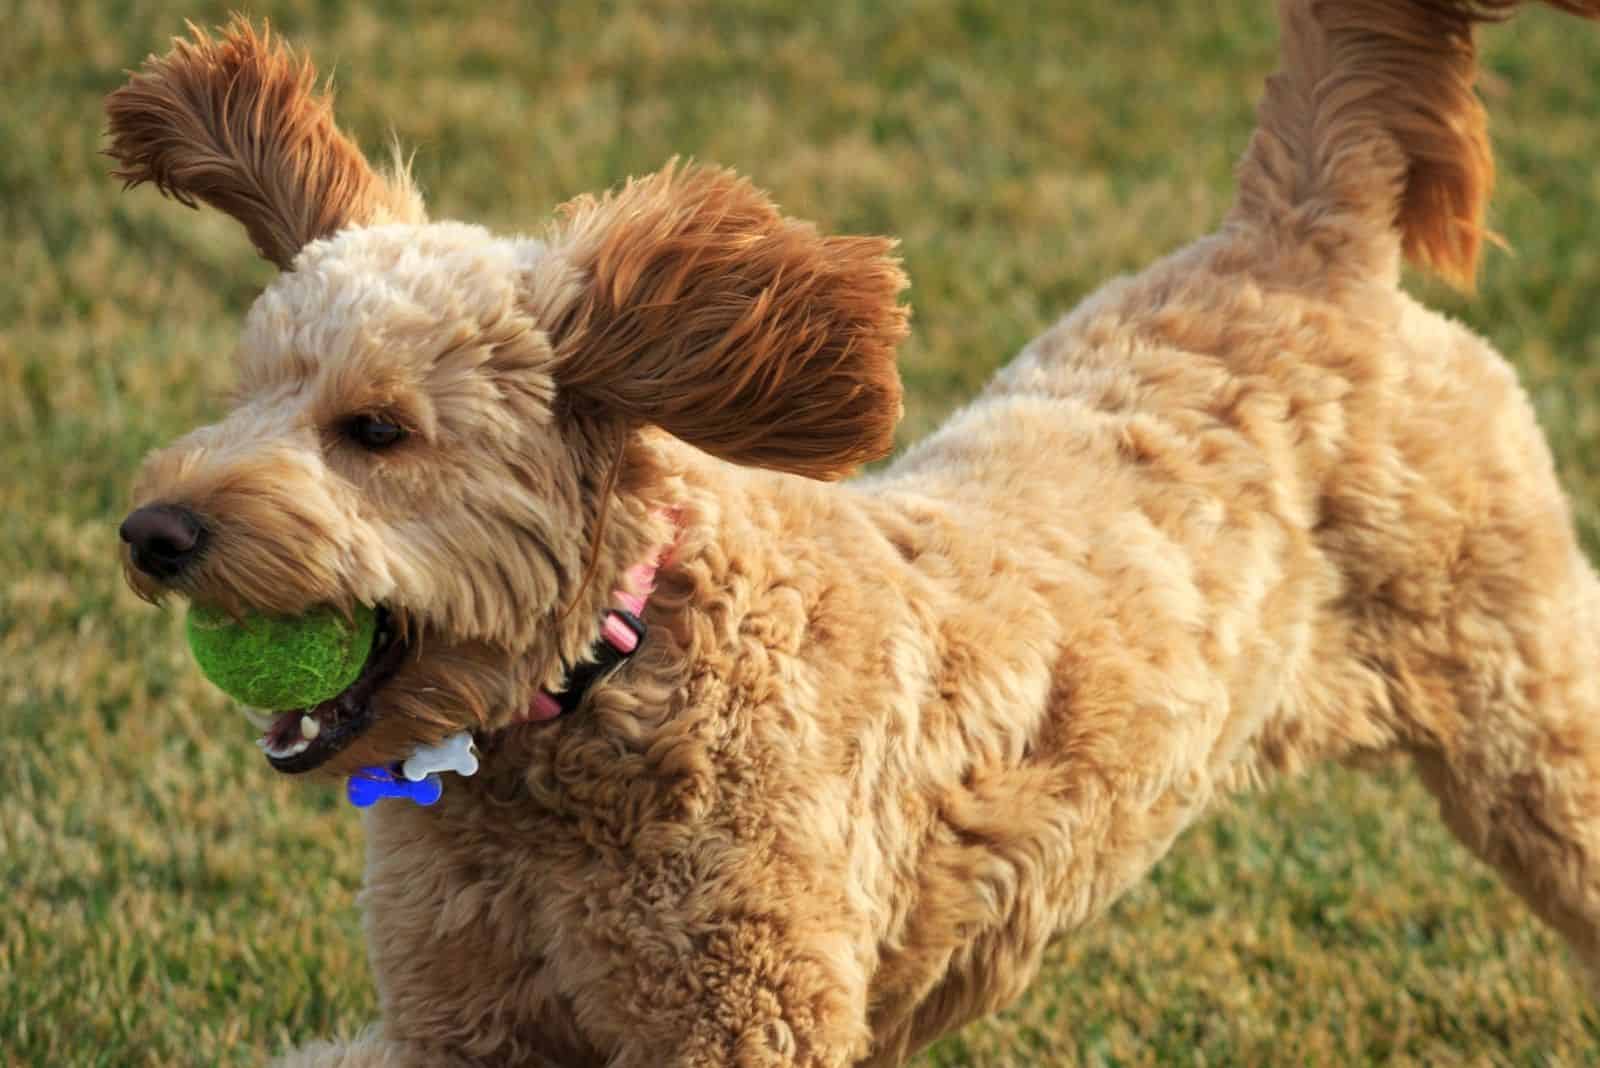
[(752, 998), (1519, 779), (370, 1051)]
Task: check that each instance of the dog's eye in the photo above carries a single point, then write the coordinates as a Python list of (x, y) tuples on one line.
[(373, 432)]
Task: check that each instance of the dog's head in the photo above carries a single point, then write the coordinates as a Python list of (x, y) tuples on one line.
[(434, 420)]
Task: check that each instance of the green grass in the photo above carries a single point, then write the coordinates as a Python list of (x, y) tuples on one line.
[(166, 899)]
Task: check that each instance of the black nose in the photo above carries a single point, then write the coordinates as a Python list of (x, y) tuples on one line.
[(164, 538)]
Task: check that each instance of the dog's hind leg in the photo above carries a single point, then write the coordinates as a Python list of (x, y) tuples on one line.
[(371, 1051), (1516, 767), (1469, 600)]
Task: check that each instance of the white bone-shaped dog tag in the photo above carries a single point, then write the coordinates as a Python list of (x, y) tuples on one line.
[(453, 754)]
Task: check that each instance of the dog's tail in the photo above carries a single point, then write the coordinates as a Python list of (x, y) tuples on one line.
[(1370, 137)]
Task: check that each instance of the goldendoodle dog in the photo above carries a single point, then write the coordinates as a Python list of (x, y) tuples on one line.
[(880, 742)]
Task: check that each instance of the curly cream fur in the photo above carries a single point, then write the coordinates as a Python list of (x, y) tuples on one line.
[(887, 739)]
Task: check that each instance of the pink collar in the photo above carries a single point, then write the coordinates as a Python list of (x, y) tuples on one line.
[(622, 630)]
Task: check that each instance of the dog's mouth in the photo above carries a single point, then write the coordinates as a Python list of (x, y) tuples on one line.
[(306, 738)]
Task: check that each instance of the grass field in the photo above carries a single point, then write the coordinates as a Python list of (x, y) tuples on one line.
[(167, 900)]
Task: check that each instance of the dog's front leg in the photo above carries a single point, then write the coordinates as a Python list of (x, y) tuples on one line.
[(373, 1051), (759, 992)]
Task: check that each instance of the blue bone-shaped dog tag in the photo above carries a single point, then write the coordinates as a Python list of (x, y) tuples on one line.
[(370, 785), (418, 777)]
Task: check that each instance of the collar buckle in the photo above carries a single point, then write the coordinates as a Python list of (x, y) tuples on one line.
[(621, 634)]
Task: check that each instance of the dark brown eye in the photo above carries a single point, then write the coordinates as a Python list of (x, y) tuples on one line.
[(373, 431)]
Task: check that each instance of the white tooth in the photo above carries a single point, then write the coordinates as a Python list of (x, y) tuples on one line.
[(297, 748), (310, 727), (264, 745), (260, 719)]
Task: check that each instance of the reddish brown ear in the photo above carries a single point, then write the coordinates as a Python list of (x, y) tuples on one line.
[(707, 313), (236, 122)]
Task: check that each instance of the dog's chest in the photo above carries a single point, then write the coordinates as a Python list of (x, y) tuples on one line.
[(465, 908)]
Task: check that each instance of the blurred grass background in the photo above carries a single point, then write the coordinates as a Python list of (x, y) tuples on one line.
[(167, 900)]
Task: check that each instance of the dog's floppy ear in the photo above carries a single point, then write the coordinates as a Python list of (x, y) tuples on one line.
[(705, 312), (236, 121)]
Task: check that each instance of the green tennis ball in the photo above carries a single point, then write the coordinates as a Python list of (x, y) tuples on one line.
[(276, 663)]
